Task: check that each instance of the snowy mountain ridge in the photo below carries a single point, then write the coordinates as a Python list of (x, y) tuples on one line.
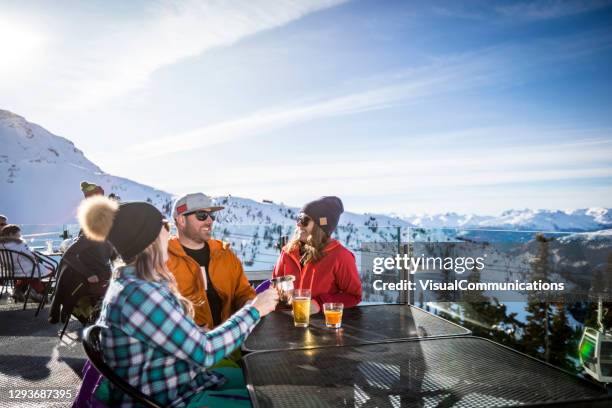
[(40, 175), (587, 219)]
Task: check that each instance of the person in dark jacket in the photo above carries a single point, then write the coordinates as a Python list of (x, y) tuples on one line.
[(84, 273)]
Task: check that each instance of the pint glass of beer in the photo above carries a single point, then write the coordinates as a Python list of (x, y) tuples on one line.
[(301, 307), (333, 314)]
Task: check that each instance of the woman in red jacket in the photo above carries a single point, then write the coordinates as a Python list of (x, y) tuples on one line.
[(319, 262)]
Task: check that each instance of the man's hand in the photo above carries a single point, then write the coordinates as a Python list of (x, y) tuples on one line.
[(266, 301), (93, 279)]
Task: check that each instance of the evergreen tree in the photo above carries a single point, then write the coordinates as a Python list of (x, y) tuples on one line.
[(474, 296), (537, 328), (563, 340), (488, 318)]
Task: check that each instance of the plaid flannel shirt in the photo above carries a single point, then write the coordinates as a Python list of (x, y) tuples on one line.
[(150, 342)]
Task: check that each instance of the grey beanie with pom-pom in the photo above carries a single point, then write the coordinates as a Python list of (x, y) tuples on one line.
[(130, 227)]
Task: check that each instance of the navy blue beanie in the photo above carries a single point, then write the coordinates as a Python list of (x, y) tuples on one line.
[(325, 212)]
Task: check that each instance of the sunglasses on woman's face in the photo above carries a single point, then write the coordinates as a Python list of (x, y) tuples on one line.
[(303, 220), (166, 225), (203, 215)]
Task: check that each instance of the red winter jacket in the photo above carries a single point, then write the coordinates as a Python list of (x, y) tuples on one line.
[(335, 275)]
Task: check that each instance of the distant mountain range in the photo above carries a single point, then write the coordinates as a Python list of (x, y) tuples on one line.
[(40, 175), (589, 219)]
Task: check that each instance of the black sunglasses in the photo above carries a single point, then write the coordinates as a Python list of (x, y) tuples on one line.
[(303, 220), (202, 215)]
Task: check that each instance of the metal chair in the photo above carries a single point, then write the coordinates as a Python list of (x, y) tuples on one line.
[(93, 349), (49, 279), (85, 321), (8, 258)]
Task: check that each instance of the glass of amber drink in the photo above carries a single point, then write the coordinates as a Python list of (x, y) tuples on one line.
[(333, 314), (301, 307)]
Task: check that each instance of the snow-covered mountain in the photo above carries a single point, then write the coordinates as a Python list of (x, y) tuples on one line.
[(589, 219), (445, 220), (254, 229), (40, 175)]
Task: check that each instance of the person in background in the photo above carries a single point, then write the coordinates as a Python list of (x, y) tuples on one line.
[(319, 262), (206, 270), (148, 336), (10, 238), (3, 221), (84, 272), (91, 189)]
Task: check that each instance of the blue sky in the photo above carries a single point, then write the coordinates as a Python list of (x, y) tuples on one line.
[(400, 107)]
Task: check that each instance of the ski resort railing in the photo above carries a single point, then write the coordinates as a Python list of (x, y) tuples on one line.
[(507, 256), (582, 262)]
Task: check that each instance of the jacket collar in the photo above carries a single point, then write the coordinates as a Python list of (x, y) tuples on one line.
[(332, 244), (216, 246), (127, 270)]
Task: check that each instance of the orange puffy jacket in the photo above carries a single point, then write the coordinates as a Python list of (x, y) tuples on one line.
[(226, 274)]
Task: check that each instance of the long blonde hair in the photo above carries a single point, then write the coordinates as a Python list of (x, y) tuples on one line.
[(312, 248), (150, 266)]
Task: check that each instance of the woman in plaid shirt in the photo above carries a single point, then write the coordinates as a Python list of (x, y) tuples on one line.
[(150, 338)]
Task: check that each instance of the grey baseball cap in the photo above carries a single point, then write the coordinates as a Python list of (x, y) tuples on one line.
[(193, 202)]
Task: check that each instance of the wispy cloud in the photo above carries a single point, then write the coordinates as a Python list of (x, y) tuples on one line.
[(118, 57), (441, 76), (495, 66), (416, 172), (269, 120)]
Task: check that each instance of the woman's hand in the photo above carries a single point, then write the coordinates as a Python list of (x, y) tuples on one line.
[(314, 307), (266, 301)]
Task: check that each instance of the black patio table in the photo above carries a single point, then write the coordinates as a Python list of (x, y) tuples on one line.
[(360, 325), (435, 372)]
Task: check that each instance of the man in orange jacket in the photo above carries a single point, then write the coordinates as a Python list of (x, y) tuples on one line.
[(206, 270)]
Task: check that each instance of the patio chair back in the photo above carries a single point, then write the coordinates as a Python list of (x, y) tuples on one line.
[(8, 259), (93, 349)]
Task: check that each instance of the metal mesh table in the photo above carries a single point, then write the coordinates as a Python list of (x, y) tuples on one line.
[(441, 372), (360, 325)]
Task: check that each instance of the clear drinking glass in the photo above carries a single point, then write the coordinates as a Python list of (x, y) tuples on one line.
[(333, 314), (301, 307)]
